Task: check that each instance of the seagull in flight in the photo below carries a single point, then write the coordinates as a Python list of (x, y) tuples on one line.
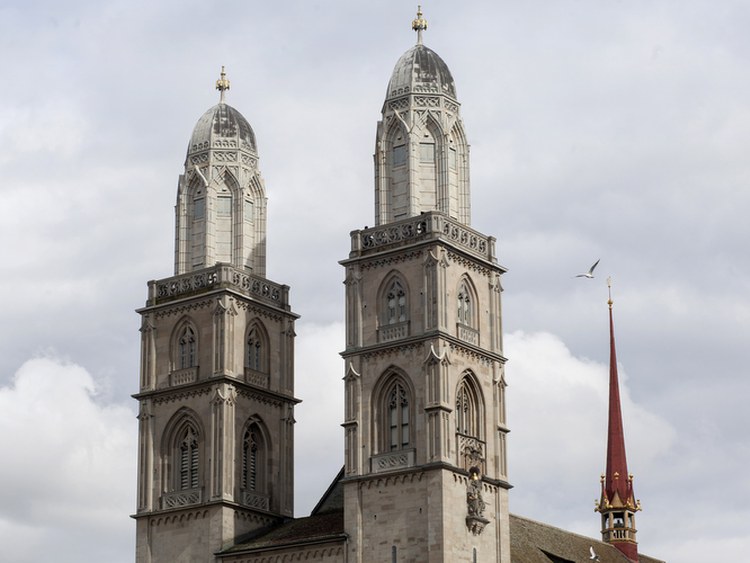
[(590, 273), (594, 556)]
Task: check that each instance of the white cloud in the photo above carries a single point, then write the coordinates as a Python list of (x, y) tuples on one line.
[(557, 405), (69, 470)]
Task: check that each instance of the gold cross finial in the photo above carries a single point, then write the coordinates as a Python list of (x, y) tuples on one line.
[(609, 290), (222, 85), (419, 25)]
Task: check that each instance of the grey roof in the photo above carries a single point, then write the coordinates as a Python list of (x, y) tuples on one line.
[(321, 528), (221, 122), (535, 542), (421, 70)]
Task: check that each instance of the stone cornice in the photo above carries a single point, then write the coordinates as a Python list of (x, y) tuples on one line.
[(219, 277), (396, 346), (204, 387)]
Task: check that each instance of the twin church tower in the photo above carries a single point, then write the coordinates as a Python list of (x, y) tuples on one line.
[(425, 470)]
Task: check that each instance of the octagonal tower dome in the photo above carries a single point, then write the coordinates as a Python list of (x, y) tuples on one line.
[(221, 201), (221, 123), (421, 153), (421, 71)]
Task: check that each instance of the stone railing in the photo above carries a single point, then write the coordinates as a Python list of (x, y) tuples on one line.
[(256, 500), (183, 376), (217, 277), (181, 498), (467, 334), (391, 461), (256, 378), (393, 332), (427, 226)]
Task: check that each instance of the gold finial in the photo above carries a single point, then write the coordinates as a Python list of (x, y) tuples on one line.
[(609, 290), (222, 85), (419, 25)]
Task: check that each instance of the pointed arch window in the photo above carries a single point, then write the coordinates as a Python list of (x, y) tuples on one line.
[(397, 417), (253, 454), (399, 155), (254, 350), (465, 305), (188, 459), (467, 410), (254, 467), (186, 348), (396, 305)]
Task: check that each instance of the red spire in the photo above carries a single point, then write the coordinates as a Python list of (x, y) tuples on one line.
[(617, 466), (617, 504)]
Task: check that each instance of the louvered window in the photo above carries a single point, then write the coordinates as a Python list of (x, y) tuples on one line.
[(188, 460), (398, 417)]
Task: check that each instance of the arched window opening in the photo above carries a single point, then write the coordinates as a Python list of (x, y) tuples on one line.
[(467, 410), (251, 459), (187, 459), (465, 306), (396, 303), (398, 417), (255, 350), (186, 348)]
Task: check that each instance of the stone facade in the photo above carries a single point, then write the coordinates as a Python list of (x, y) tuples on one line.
[(425, 475), (216, 395)]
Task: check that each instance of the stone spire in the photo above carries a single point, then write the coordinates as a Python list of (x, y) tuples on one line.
[(617, 504)]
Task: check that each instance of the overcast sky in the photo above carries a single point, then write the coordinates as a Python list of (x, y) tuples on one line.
[(599, 129)]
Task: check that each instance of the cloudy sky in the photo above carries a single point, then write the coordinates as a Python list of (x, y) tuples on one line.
[(604, 129)]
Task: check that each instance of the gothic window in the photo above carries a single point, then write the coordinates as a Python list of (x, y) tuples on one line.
[(199, 207), (427, 152), (399, 155), (253, 460), (249, 211), (396, 416), (256, 349), (197, 228), (468, 409), (187, 460), (396, 310), (186, 349), (465, 305)]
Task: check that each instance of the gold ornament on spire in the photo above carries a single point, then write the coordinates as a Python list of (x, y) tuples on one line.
[(222, 84), (609, 290), (419, 25)]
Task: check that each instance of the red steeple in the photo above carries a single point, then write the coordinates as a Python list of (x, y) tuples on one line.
[(617, 504)]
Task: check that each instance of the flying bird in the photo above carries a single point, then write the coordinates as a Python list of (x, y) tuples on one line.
[(594, 556), (590, 273)]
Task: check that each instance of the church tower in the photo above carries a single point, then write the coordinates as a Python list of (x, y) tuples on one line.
[(617, 504), (425, 475), (216, 398)]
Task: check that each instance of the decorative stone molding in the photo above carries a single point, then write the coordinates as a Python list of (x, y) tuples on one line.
[(256, 500), (183, 309), (395, 331), (257, 378), (183, 376), (427, 226), (182, 396), (392, 460), (471, 451), (178, 499), (468, 334), (219, 276)]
